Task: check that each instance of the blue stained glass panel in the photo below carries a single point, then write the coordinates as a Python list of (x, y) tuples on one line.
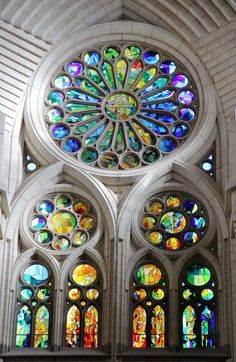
[(35, 274)]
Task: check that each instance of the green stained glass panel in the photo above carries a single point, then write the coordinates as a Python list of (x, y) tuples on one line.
[(77, 118), (134, 142), (75, 107), (105, 144), (189, 334), (84, 128), (107, 71), (148, 274), (96, 78), (120, 145), (146, 77), (88, 86), (198, 275), (23, 328), (111, 52)]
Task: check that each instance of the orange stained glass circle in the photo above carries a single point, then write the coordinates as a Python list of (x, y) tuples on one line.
[(74, 294), (155, 207), (149, 274), (87, 222), (84, 274), (155, 237), (140, 294), (80, 207), (173, 244), (62, 222), (173, 201), (148, 222)]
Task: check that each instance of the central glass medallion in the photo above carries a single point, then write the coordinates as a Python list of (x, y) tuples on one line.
[(121, 106)]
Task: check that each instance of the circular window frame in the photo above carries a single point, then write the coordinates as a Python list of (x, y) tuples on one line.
[(26, 233), (140, 239), (34, 111)]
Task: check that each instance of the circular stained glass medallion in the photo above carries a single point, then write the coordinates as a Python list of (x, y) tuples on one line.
[(60, 222), (198, 275), (148, 274), (140, 294), (92, 294), (173, 221), (35, 274), (84, 274), (110, 103), (74, 294), (25, 293), (158, 293), (207, 294)]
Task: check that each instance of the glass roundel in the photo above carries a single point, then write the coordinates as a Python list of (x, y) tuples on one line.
[(173, 221), (62, 221), (121, 107)]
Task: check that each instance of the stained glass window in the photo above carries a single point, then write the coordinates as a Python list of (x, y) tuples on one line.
[(208, 163), (83, 306), (149, 306), (198, 307), (34, 307), (173, 221), (121, 106), (30, 164), (62, 221)]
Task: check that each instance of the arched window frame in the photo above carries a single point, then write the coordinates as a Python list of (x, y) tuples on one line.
[(48, 304), (194, 303), (164, 303), (96, 303)]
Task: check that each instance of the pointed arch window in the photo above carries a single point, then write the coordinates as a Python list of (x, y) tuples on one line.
[(198, 307), (83, 307), (149, 306), (34, 307)]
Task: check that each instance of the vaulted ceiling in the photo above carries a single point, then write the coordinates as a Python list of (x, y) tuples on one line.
[(51, 20)]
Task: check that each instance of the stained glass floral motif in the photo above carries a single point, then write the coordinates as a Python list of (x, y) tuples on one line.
[(83, 301), (121, 106), (173, 221), (33, 307), (149, 299), (198, 307), (61, 222)]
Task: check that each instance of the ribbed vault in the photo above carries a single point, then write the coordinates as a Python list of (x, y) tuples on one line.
[(51, 20)]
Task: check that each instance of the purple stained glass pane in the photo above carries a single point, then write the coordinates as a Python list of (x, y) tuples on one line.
[(180, 130), (167, 145), (59, 131), (186, 97), (179, 81), (151, 57), (75, 68), (168, 67), (186, 114), (72, 145)]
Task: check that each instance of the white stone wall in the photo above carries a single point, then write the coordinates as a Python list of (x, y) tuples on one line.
[(201, 33)]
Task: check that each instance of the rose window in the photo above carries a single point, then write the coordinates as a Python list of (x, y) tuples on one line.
[(173, 221), (62, 221), (121, 106)]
